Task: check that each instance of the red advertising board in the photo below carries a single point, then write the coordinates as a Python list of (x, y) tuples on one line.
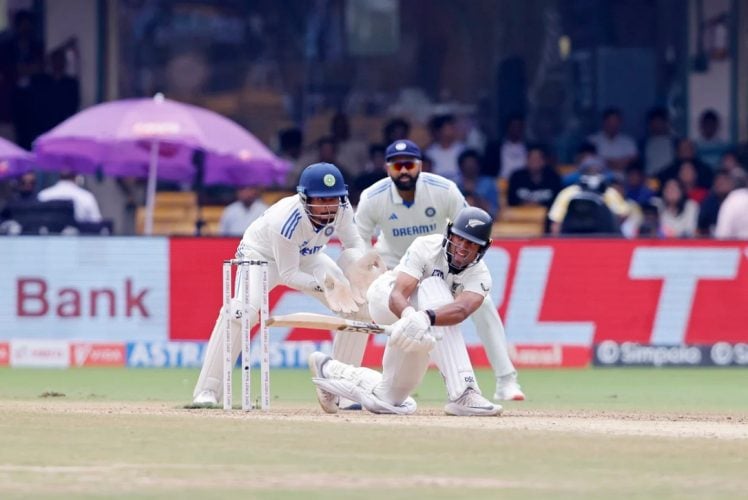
[(649, 292), (195, 284), (558, 298), (4, 353)]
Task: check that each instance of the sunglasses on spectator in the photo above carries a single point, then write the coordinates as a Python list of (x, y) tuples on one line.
[(396, 166)]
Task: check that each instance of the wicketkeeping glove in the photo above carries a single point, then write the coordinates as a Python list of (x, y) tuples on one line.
[(411, 332), (338, 294), (363, 272)]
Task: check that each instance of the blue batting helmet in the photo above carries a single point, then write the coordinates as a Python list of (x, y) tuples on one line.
[(321, 180)]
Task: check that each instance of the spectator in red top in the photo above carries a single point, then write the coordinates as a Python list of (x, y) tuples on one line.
[(688, 175)]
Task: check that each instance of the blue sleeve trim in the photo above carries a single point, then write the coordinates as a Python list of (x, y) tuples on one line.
[(377, 191), (290, 225), (435, 183)]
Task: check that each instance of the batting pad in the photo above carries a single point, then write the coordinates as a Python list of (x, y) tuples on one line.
[(349, 347), (451, 357), (347, 389), (450, 353)]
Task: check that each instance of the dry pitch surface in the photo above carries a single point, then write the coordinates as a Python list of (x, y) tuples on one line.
[(86, 444)]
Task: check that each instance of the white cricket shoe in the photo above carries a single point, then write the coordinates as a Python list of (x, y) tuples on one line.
[(206, 397), (328, 402), (472, 404), (507, 389)]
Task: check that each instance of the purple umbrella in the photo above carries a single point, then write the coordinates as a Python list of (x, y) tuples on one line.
[(14, 161), (157, 138)]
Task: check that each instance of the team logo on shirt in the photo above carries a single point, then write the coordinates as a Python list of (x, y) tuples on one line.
[(311, 250), (329, 230), (437, 272), (329, 180), (430, 211), (393, 216)]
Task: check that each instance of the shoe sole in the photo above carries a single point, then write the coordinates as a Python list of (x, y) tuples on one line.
[(468, 411), (320, 393), (516, 397)]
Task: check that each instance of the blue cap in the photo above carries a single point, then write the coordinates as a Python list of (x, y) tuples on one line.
[(403, 147)]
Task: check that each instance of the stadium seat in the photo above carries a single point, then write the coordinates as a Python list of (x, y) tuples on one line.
[(103, 228), (42, 217), (270, 197), (502, 185), (211, 215), (527, 213), (176, 198), (653, 183), (172, 210), (565, 169), (514, 229)]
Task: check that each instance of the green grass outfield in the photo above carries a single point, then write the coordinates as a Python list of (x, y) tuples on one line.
[(613, 433)]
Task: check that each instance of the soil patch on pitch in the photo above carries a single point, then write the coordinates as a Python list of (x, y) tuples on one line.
[(644, 424)]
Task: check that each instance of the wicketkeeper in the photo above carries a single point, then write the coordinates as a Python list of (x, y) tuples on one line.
[(291, 236)]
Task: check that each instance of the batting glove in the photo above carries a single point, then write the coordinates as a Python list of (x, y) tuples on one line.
[(411, 333)]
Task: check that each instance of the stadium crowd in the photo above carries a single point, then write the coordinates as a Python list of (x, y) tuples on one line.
[(661, 186)]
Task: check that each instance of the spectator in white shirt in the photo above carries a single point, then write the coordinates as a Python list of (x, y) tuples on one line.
[(513, 149), (732, 221), (446, 148), (84, 203), (616, 148), (352, 152), (679, 215), (237, 217), (658, 148)]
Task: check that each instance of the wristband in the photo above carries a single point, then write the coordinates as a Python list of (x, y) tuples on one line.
[(432, 316)]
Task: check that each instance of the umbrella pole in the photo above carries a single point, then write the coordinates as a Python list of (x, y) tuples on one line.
[(150, 200)]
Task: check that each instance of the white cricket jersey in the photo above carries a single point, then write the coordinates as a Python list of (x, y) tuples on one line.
[(85, 206), (284, 235), (437, 199), (426, 257)]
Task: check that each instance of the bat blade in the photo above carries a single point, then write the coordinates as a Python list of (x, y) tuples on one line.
[(324, 322)]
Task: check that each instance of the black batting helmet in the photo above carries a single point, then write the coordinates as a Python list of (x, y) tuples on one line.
[(472, 224)]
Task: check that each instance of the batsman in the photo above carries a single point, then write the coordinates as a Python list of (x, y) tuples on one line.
[(291, 236), (438, 284), (407, 204)]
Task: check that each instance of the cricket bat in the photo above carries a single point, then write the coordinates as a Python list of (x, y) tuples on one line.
[(324, 322)]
